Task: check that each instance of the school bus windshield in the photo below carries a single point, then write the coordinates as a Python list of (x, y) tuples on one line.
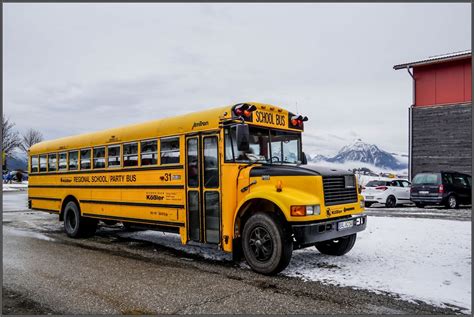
[(266, 146)]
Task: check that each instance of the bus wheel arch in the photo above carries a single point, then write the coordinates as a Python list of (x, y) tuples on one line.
[(253, 206)]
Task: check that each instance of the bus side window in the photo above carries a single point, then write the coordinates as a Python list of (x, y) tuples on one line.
[(130, 154), (52, 162), (148, 152), (99, 157), (34, 164), (113, 157), (169, 150), (62, 163), (43, 163), (85, 159), (73, 160)]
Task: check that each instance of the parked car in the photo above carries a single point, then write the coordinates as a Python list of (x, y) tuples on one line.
[(17, 176), (444, 188), (389, 192)]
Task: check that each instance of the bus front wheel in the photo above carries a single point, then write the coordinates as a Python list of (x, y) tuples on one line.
[(75, 225), (266, 246)]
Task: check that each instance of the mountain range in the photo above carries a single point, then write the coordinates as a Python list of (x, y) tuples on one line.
[(17, 163), (367, 154)]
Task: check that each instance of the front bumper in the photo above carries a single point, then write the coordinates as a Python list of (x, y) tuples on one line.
[(308, 234)]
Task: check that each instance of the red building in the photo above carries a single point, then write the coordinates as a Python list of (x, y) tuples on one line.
[(440, 115)]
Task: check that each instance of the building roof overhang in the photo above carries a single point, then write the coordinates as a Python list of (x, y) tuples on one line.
[(436, 59)]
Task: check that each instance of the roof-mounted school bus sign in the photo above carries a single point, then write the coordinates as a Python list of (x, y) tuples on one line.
[(234, 177)]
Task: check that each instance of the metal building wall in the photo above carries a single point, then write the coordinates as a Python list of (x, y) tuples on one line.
[(443, 83)]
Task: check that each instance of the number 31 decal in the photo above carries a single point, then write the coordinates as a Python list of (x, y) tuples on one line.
[(166, 177)]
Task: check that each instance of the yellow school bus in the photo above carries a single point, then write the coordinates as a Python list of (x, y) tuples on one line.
[(235, 177)]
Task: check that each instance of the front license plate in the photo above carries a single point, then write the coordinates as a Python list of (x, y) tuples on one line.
[(369, 197), (343, 225), (423, 192)]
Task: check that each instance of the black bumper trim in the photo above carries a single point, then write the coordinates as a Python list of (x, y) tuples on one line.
[(309, 234)]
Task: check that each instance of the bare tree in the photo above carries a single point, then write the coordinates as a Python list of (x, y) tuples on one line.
[(30, 138), (10, 138)]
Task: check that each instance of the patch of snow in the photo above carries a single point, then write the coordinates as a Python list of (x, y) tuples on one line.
[(29, 234), (14, 187), (422, 259), (173, 240), (417, 259)]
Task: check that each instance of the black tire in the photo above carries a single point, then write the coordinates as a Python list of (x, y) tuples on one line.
[(420, 205), (75, 225), (391, 202), (452, 202), (266, 244), (367, 204), (339, 246)]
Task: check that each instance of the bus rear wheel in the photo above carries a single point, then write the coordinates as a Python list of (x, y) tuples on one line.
[(75, 225), (339, 246), (266, 246)]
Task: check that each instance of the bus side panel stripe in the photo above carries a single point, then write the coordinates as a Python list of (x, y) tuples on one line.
[(156, 222), (130, 204), (45, 198), (44, 209)]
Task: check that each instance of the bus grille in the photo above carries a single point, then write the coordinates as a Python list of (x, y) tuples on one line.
[(335, 191)]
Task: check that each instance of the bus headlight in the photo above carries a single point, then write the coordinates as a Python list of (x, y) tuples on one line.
[(313, 210), (362, 203)]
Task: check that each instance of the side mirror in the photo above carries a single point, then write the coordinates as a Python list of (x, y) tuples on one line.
[(243, 136), (304, 159)]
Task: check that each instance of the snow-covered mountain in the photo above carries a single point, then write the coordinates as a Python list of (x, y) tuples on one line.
[(316, 158), (367, 154)]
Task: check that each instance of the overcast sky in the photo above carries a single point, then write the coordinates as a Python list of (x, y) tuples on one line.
[(74, 68)]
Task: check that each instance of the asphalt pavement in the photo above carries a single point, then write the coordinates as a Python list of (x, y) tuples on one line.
[(44, 271)]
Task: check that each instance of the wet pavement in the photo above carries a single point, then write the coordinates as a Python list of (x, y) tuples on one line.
[(44, 271)]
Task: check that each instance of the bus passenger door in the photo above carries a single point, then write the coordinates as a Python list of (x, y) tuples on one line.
[(203, 189)]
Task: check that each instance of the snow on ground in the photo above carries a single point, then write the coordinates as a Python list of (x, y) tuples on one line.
[(24, 233), (173, 241), (15, 186), (15, 200), (417, 259), (423, 259), (350, 165)]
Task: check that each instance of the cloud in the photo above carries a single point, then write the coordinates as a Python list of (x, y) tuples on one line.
[(82, 67)]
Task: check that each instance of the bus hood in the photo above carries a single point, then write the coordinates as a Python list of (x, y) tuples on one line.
[(288, 170)]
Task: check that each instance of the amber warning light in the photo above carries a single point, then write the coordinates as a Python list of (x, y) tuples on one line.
[(297, 120), (244, 110)]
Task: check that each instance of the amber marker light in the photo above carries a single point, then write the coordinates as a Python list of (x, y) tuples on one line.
[(279, 186), (298, 211)]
